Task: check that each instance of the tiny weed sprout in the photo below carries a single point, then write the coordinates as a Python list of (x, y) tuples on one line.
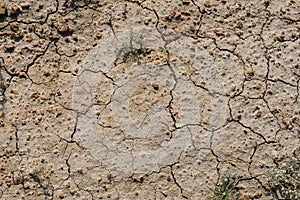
[(226, 188), (131, 50), (284, 182), (234, 164), (18, 176), (109, 176)]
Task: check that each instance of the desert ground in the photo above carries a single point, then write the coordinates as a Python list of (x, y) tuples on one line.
[(148, 99)]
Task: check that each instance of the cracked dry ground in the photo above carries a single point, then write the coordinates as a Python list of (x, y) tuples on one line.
[(146, 99)]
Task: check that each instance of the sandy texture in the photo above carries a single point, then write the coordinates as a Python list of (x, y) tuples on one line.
[(144, 99)]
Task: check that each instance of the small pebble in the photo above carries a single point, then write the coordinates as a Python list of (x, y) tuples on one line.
[(61, 195), (251, 71), (8, 181), (25, 5), (98, 34), (14, 10), (22, 75), (26, 185), (9, 47), (14, 26), (2, 8), (156, 62)]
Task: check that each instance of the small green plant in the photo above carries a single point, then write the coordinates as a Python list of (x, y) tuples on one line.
[(284, 182), (225, 189), (131, 50), (109, 176), (38, 175), (18, 176)]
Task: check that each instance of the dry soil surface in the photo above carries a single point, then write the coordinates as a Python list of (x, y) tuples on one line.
[(146, 99)]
